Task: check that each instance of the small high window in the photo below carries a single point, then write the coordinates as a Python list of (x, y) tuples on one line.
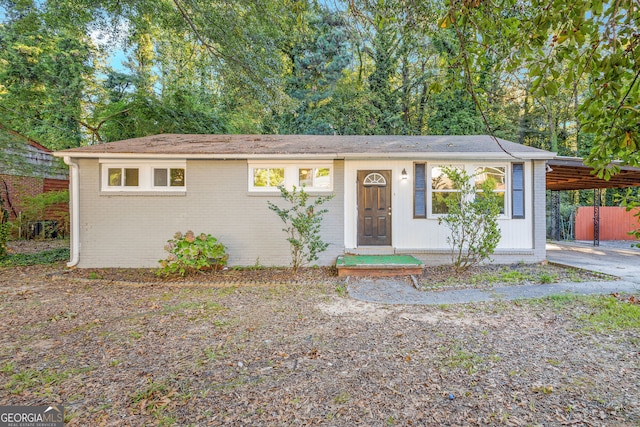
[(124, 177), (137, 176), (312, 176), (172, 177), (268, 177), (319, 178)]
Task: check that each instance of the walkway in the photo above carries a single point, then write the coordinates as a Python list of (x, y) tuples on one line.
[(619, 262)]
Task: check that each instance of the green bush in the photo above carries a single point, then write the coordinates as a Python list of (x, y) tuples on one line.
[(5, 230), (303, 221), (189, 253), (472, 218), (36, 208)]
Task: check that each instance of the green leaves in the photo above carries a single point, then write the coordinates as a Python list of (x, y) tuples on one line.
[(303, 222), (189, 253), (472, 218)]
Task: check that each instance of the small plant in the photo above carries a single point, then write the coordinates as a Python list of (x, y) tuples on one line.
[(341, 290), (188, 253), (472, 217), (5, 231), (303, 221), (545, 278), (342, 398)]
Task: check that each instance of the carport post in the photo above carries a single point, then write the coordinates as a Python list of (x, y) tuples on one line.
[(596, 216), (555, 215)]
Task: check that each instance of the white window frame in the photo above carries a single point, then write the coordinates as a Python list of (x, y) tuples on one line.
[(291, 174), (145, 175), (429, 185), (507, 183), (471, 169)]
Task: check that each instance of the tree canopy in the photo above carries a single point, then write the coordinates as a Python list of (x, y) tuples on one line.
[(546, 73)]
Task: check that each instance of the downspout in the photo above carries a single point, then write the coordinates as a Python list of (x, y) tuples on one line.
[(74, 200)]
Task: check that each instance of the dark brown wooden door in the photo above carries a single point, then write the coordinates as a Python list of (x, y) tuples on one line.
[(374, 208)]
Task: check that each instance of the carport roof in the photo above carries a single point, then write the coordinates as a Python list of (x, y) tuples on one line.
[(570, 173)]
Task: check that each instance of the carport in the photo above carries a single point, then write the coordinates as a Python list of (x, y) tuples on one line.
[(570, 173)]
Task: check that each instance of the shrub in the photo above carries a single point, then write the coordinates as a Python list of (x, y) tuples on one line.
[(189, 253), (51, 206), (473, 220), (5, 230), (303, 223)]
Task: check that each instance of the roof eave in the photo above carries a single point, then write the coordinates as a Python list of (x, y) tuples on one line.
[(313, 156)]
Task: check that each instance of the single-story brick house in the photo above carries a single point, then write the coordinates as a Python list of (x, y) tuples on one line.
[(129, 197)]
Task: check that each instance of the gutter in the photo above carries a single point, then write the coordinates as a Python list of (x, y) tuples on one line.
[(75, 211), (314, 156)]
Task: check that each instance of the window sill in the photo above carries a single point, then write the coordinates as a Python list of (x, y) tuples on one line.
[(143, 193), (277, 193)]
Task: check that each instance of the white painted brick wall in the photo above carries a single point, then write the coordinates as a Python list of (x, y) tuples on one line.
[(131, 230)]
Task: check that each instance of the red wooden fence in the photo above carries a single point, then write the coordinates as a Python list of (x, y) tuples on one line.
[(615, 223)]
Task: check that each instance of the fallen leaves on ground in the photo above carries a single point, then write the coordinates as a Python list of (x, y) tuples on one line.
[(178, 354)]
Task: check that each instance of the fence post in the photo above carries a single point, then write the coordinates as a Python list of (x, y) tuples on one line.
[(596, 216)]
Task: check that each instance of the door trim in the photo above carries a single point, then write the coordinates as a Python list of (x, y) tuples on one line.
[(378, 179)]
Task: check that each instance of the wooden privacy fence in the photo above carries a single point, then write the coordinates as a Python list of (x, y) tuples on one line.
[(615, 223)]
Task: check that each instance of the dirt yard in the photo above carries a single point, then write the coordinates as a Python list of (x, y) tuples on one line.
[(269, 355)]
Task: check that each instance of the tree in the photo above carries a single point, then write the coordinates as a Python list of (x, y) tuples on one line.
[(559, 44), (43, 75), (318, 55)]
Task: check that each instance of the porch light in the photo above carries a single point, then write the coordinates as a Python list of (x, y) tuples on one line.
[(404, 174)]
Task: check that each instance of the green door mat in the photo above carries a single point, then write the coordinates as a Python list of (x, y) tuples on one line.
[(377, 260)]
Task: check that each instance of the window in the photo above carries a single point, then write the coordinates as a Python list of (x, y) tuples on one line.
[(313, 176), (419, 191), (442, 190), (375, 178), (496, 175), (172, 177), (132, 176), (517, 190), (123, 177), (268, 177), (433, 188)]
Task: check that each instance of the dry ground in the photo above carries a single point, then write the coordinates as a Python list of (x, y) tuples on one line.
[(177, 354)]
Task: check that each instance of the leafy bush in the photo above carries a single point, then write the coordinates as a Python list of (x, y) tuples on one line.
[(188, 253), (473, 220), (5, 230), (302, 225), (43, 206)]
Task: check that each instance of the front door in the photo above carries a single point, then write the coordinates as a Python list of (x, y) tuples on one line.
[(374, 208)]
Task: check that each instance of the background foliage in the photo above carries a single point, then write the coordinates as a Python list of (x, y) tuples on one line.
[(549, 74)]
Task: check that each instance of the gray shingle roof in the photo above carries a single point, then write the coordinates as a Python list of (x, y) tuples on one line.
[(334, 146)]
